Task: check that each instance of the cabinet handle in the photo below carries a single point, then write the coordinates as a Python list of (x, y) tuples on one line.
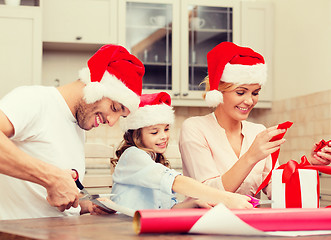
[(57, 82), (176, 94), (78, 38), (185, 94)]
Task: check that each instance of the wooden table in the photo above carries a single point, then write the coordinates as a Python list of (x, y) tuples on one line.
[(114, 226)]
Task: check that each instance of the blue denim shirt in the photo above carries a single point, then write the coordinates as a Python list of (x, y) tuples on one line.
[(140, 183)]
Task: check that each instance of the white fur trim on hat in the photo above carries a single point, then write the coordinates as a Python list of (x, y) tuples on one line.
[(245, 74), (213, 98), (147, 116), (110, 87)]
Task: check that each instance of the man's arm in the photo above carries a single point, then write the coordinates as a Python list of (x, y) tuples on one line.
[(61, 189)]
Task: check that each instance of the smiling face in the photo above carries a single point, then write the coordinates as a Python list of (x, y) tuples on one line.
[(239, 102), (156, 137), (104, 111)]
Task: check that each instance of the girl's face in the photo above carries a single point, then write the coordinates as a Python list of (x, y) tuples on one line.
[(156, 137), (239, 102)]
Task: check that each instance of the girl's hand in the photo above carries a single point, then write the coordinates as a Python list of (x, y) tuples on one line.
[(322, 157), (96, 210), (262, 147), (237, 201)]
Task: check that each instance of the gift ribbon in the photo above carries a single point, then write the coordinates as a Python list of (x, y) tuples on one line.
[(274, 155), (321, 145), (292, 181)]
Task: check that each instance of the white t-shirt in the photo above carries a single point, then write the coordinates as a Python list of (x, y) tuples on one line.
[(45, 129), (141, 183)]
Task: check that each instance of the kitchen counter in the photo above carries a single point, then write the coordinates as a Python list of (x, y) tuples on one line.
[(98, 227)]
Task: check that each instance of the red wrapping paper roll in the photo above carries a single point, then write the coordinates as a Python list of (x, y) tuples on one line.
[(166, 221), (264, 219)]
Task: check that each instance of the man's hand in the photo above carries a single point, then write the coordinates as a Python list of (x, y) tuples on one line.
[(62, 192)]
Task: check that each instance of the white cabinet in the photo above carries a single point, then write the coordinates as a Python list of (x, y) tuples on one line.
[(204, 24), (257, 33), (172, 39), (79, 21), (20, 47), (150, 30)]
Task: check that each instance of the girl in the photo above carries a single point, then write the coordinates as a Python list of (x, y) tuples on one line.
[(142, 178), (222, 149)]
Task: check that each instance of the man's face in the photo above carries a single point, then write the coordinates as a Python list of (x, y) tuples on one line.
[(104, 111)]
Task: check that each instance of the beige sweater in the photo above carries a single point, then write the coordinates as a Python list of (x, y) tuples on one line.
[(207, 154)]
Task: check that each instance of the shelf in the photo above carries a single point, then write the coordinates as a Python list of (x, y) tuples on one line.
[(77, 46)]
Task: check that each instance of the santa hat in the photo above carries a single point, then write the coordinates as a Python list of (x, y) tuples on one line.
[(114, 73), (230, 63), (153, 109)]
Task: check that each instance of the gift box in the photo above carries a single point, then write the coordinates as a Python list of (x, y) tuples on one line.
[(302, 192), (296, 185)]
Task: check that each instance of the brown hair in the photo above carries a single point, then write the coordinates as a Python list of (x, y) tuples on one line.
[(223, 86), (133, 138)]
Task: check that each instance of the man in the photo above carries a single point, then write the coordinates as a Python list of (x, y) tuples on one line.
[(42, 133)]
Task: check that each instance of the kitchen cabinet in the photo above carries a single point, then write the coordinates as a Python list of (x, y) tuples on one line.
[(257, 33), (172, 39), (150, 30), (20, 46), (68, 23)]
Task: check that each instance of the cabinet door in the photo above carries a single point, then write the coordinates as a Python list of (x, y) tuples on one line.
[(79, 21), (20, 47), (150, 32), (257, 33), (204, 25)]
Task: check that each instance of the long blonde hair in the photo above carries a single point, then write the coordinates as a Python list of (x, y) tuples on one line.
[(134, 138), (223, 86)]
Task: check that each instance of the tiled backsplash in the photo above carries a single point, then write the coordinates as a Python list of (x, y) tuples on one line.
[(311, 115)]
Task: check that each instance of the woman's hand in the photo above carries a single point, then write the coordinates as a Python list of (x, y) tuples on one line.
[(322, 157), (262, 147)]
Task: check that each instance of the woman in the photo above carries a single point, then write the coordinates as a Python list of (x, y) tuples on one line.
[(222, 149)]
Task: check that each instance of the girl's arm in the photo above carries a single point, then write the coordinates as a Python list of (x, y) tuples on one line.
[(192, 188)]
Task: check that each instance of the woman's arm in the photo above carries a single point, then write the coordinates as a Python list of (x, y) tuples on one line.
[(259, 150)]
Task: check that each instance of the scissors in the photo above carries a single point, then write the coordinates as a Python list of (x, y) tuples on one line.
[(256, 202), (88, 196)]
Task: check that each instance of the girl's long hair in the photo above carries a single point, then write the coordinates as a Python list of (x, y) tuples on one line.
[(134, 138)]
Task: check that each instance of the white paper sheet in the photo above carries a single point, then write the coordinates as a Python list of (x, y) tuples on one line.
[(220, 220)]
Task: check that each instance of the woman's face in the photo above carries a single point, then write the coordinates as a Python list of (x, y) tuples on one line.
[(156, 137), (239, 102)]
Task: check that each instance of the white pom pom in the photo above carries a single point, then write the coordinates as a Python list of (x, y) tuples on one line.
[(93, 92), (213, 98), (84, 75)]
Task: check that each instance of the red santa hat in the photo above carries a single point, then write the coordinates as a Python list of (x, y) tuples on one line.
[(153, 109), (114, 73), (230, 63)]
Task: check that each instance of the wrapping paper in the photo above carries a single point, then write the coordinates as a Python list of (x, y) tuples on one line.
[(220, 220)]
